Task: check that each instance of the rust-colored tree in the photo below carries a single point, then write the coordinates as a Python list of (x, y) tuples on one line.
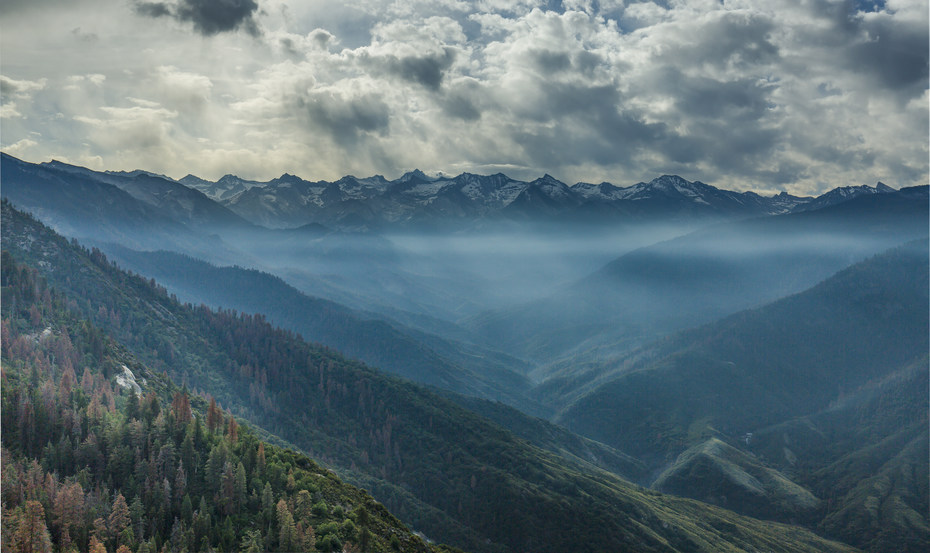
[(232, 430), (119, 517), (96, 546), (181, 408), (31, 535), (287, 531), (214, 416), (68, 510)]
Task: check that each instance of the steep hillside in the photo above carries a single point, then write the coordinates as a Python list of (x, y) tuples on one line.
[(717, 473), (451, 474), (556, 439), (867, 455), (813, 384), (138, 210), (384, 344), (124, 460), (763, 366), (168, 196)]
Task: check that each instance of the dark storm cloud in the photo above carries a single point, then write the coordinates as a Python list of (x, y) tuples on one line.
[(876, 44), (426, 70), (584, 123), (8, 87), (345, 119), (735, 148), (287, 44), (726, 120), (209, 17), (153, 9), (590, 126), (460, 106), (548, 61), (898, 56), (586, 62), (738, 99)]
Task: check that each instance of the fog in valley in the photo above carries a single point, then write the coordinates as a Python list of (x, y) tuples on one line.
[(544, 294), (444, 275)]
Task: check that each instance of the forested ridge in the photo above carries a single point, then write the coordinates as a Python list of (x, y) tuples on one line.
[(92, 467)]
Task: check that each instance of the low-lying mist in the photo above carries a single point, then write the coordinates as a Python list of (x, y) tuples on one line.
[(433, 279), (522, 264)]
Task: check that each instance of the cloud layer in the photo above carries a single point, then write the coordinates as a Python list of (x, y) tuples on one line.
[(783, 95)]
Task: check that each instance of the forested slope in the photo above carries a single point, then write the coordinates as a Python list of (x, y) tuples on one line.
[(89, 465)]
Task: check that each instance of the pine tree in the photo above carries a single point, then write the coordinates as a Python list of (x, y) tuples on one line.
[(214, 416), (232, 430), (252, 542), (241, 485), (260, 458), (181, 408), (302, 506), (31, 535), (96, 546), (119, 517), (69, 507), (267, 502), (287, 532)]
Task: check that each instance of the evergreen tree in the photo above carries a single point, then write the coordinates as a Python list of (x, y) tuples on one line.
[(268, 502), (31, 535), (119, 518), (96, 546), (287, 532), (69, 506), (252, 542)]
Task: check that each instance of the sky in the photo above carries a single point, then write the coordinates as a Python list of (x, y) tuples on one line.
[(795, 95)]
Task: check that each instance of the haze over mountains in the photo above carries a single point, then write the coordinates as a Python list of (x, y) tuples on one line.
[(761, 355)]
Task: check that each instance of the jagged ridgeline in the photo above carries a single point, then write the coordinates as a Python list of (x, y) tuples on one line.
[(441, 469), (90, 465)]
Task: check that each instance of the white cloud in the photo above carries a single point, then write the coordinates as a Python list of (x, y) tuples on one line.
[(800, 96), (19, 88), (14, 92), (20, 147)]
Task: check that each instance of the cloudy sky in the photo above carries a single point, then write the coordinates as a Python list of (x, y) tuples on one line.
[(797, 95)]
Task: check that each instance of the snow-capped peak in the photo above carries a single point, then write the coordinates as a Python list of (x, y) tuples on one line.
[(416, 174)]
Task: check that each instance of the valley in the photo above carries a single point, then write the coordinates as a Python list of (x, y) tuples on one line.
[(509, 365)]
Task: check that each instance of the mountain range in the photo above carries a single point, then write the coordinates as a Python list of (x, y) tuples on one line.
[(503, 365), (416, 199), (411, 201)]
